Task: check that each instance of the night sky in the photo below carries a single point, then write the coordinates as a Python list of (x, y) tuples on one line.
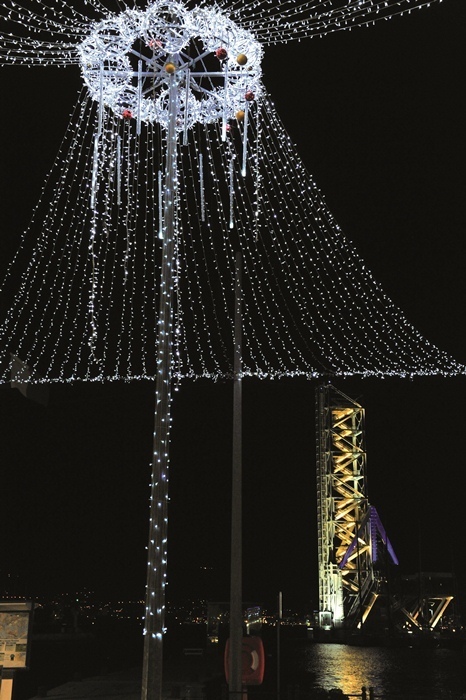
[(378, 116)]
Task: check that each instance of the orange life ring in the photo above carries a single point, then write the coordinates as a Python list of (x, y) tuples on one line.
[(252, 661)]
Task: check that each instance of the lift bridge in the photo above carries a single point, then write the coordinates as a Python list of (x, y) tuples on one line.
[(353, 548), (351, 537)]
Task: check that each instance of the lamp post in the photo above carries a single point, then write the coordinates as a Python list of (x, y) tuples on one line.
[(236, 569)]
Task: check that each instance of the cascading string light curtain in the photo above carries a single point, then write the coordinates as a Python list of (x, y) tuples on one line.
[(80, 298), (288, 21)]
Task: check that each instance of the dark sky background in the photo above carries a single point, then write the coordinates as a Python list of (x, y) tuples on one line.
[(378, 117)]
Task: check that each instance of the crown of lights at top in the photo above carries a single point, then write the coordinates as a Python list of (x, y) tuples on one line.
[(129, 60)]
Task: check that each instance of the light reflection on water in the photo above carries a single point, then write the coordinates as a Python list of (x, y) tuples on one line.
[(404, 673)]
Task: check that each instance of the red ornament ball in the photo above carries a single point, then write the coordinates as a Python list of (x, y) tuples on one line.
[(221, 53), (127, 114), (155, 44), (249, 96)]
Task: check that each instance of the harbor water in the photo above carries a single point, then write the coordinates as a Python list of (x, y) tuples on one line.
[(393, 673)]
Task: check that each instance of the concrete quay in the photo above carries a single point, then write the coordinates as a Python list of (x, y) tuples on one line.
[(192, 679), (123, 685)]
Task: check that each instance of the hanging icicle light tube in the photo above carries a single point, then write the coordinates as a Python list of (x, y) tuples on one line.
[(127, 62)]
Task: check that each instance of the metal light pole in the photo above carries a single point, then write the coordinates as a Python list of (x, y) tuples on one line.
[(236, 573), (279, 622), (157, 547)]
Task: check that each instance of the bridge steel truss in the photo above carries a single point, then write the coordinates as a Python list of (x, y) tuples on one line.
[(353, 548), (346, 530)]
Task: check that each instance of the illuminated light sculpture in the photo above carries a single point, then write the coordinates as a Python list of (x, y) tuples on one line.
[(166, 168), (89, 264)]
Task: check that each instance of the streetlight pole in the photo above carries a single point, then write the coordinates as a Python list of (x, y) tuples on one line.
[(279, 622), (236, 573)]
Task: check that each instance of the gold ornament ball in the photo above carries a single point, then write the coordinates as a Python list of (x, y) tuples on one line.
[(170, 68), (240, 115), (242, 59)]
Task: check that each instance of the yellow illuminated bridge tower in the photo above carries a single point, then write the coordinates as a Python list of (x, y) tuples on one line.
[(350, 532)]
